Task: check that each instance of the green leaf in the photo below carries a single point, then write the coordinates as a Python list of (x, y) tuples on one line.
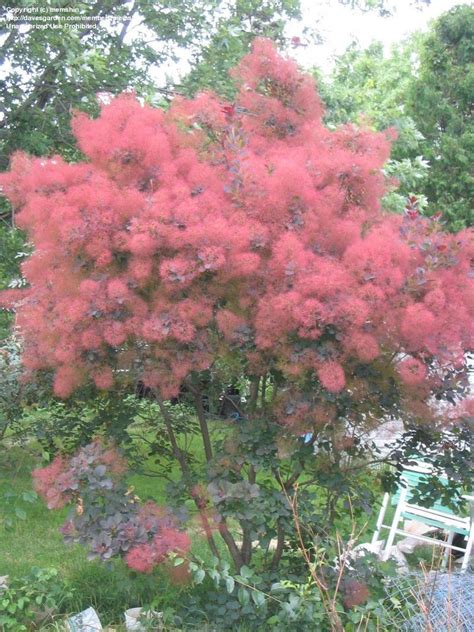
[(246, 572), (216, 576), (230, 584), (29, 496), (258, 598), (199, 576), (20, 513), (243, 596)]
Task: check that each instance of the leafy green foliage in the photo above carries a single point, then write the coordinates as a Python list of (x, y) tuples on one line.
[(224, 598), (13, 505), (385, 8), (424, 91), (281, 601), (33, 600), (440, 103), (11, 247), (15, 393), (449, 455)]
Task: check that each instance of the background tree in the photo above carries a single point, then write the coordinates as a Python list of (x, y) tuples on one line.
[(440, 103), (384, 7), (11, 247), (220, 242), (422, 90)]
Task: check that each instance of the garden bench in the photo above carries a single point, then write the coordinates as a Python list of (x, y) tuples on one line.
[(438, 516)]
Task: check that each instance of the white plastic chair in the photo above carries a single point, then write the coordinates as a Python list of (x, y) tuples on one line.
[(438, 517)]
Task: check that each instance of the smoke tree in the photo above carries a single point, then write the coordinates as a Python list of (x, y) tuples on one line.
[(219, 242)]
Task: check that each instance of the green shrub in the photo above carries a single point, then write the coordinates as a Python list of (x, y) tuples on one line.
[(33, 600)]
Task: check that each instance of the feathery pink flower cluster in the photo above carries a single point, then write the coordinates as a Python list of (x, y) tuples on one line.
[(217, 226)]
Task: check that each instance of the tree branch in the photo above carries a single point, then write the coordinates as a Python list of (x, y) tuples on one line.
[(125, 26), (206, 440), (231, 545), (254, 387), (179, 455), (43, 88), (6, 44), (223, 529), (279, 547), (264, 391)]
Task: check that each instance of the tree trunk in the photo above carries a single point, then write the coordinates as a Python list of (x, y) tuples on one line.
[(180, 457), (206, 439), (279, 547)]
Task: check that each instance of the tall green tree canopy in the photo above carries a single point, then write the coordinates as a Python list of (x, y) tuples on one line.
[(440, 103), (423, 90)]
